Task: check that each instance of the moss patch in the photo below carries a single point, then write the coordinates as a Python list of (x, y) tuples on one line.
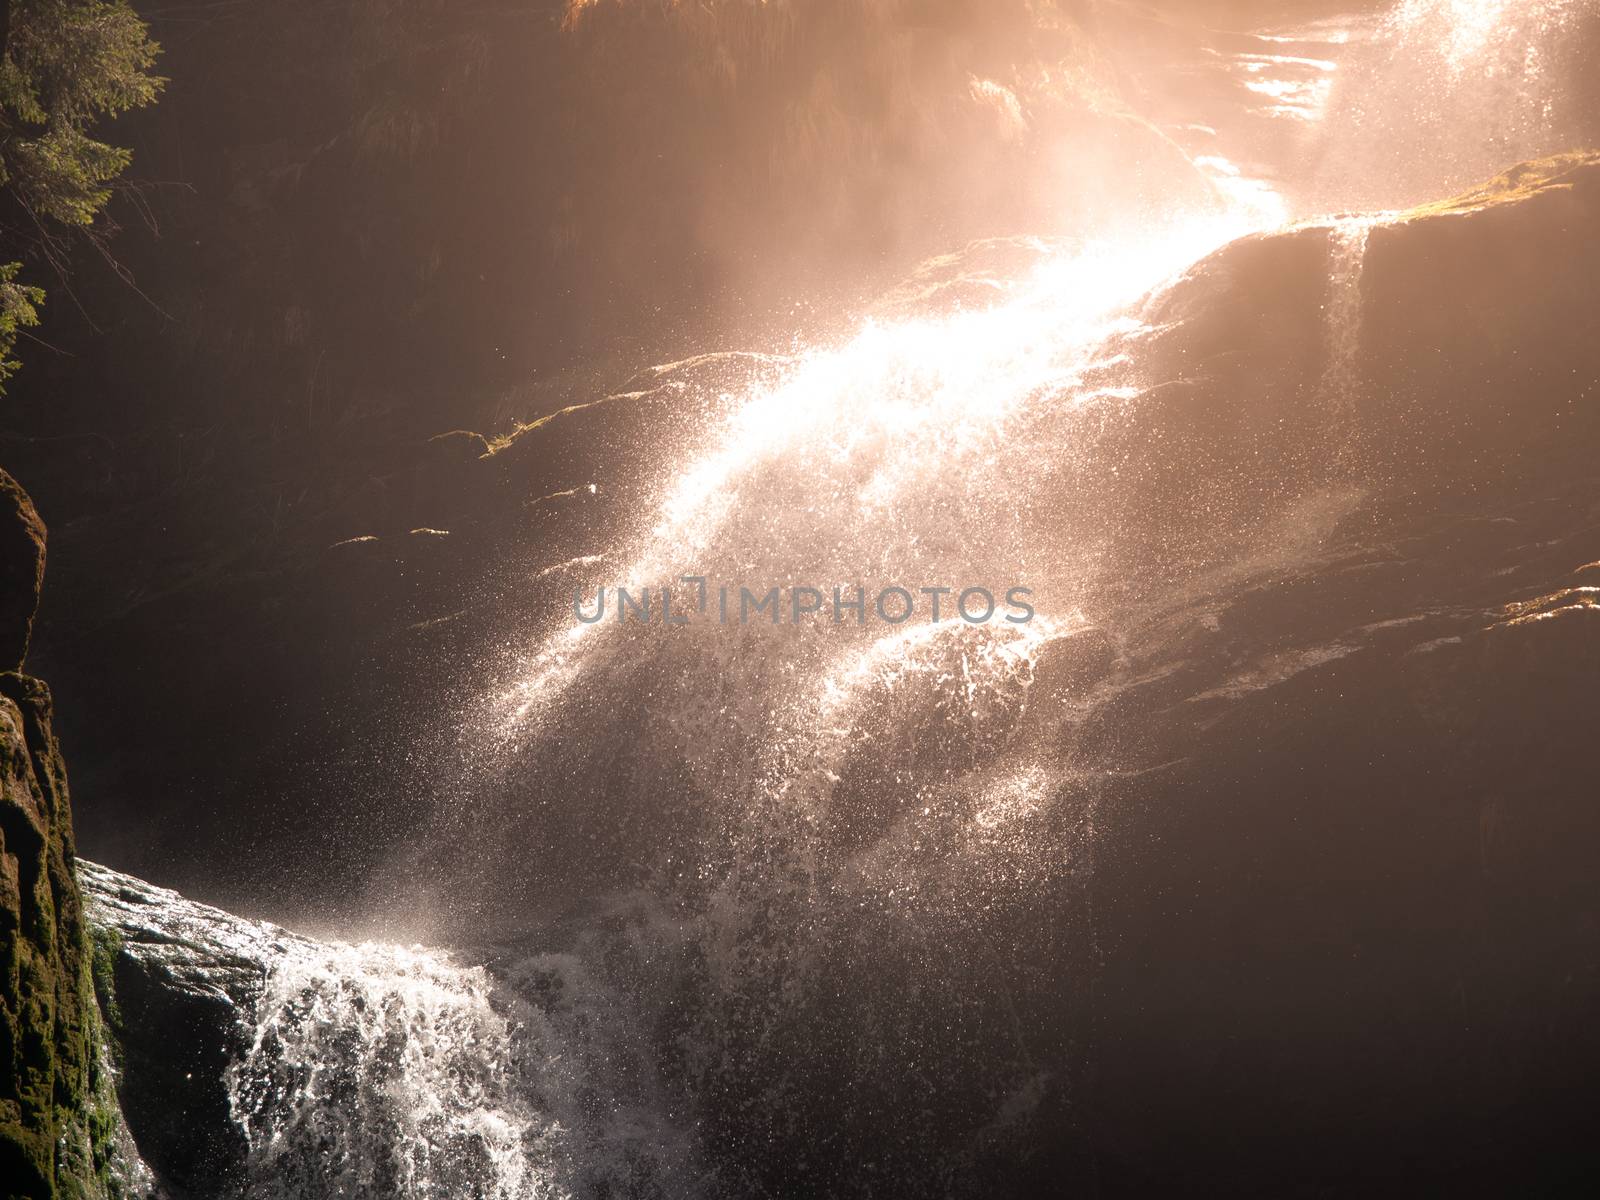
[(1556, 172), (58, 1113)]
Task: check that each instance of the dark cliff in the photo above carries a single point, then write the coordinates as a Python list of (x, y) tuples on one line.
[(59, 1124)]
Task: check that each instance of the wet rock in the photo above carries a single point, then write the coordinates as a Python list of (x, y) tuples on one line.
[(1439, 359), (1358, 892), (58, 1122), (61, 1133), (22, 542), (187, 980)]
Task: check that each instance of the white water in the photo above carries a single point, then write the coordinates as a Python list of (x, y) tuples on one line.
[(1446, 93), (385, 1071), (1341, 379), (400, 1072)]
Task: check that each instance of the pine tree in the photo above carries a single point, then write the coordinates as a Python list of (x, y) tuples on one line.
[(64, 65)]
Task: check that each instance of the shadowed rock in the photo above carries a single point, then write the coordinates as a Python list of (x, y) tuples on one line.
[(22, 538)]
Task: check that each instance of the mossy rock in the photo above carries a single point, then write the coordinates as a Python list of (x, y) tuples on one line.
[(58, 1111), (22, 538)]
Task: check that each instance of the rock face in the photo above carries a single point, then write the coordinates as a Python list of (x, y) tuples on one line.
[(187, 979), (1344, 876), (47, 1006), (57, 1115), (1343, 902), (22, 537), (1349, 883), (45, 1003)]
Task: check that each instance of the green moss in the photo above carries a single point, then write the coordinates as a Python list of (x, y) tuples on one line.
[(1520, 182), (59, 1122), (91, 1162), (105, 944), (504, 442)]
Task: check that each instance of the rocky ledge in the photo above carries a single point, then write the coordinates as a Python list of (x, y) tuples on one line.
[(185, 982)]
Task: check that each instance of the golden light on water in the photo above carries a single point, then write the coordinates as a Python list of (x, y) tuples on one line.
[(812, 477), (902, 399), (905, 453), (982, 658), (1017, 796), (1298, 87), (1467, 29)]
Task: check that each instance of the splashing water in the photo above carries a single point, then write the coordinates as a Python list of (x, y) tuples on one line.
[(866, 462), (924, 452), (916, 451), (1447, 92), (1341, 378), (1487, 37), (384, 1071), (910, 455), (1298, 87), (845, 766), (942, 450)]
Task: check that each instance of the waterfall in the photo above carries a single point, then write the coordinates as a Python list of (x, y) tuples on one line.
[(830, 822), (1338, 391), (385, 1071), (1443, 93), (928, 451)]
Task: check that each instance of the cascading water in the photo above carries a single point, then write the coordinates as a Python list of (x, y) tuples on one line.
[(1444, 93), (1347, 257), (378, 1070), (407, 1073), (794, 829)]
